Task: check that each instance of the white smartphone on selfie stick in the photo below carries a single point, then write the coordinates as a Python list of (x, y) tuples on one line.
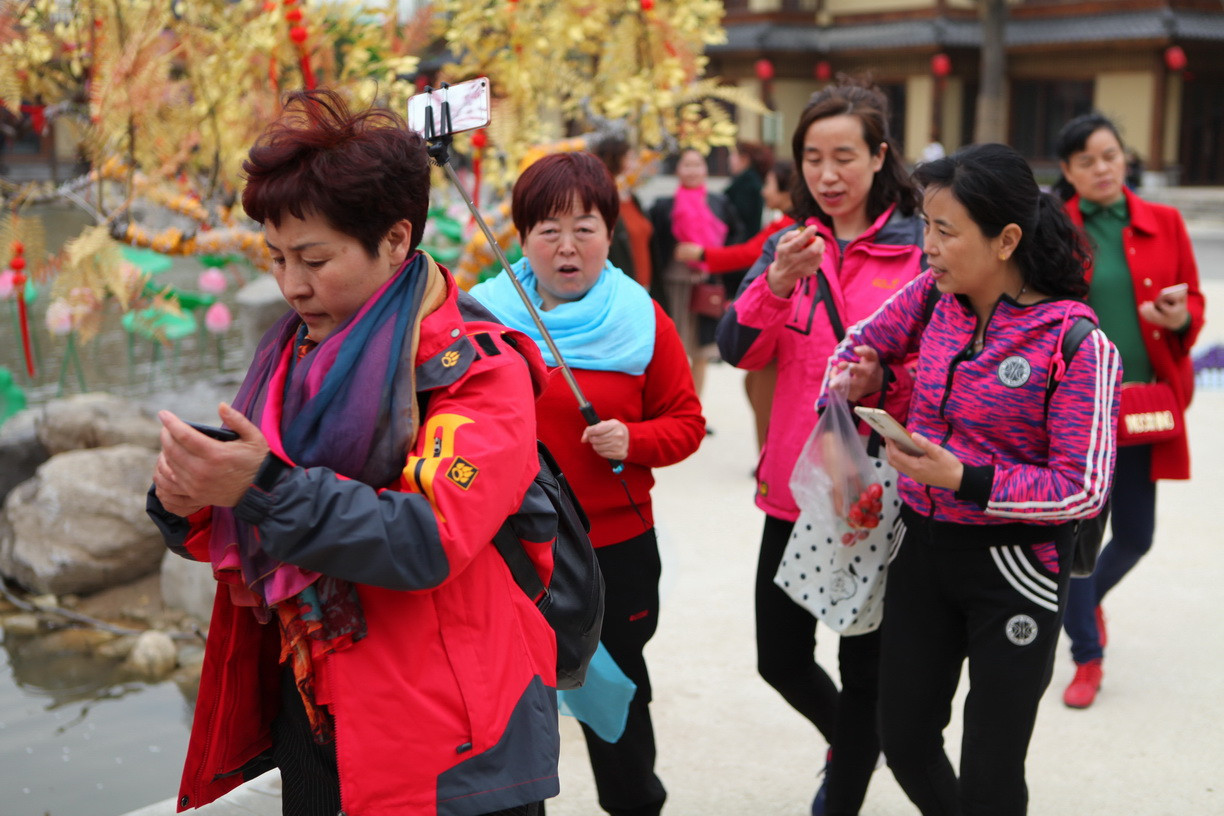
[(467, 108), (889, 428)]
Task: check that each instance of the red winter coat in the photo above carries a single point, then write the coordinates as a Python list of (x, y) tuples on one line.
[(448, 705), (1159, 254)]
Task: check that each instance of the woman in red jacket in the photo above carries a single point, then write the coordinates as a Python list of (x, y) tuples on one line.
[(1140, 250), (367, 637), (627, 356), (758, 383)]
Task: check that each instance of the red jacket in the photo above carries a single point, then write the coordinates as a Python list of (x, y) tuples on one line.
[(448, 704), (663, 415), (1159, 254), (742, 256)]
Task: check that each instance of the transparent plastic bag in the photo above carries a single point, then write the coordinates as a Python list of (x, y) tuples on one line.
[(835, 564), (834, 481)]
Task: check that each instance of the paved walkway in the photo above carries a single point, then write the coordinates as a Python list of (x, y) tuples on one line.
[(728, 744)]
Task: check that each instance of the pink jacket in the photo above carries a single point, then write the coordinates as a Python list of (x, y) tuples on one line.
[(761, 327)]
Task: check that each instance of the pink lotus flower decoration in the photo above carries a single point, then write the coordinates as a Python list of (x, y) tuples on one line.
[(213, 281), (59, 317), (218, 318)]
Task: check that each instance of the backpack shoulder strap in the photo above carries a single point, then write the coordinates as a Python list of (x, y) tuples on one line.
[(826, 295), (928, 309)]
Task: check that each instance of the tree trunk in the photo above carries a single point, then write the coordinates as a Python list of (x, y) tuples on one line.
[(991, 123)]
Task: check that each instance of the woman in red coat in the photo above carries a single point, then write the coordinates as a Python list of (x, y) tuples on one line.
[(1140, 249), (759, 384)]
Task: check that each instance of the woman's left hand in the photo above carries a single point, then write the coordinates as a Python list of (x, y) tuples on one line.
[(197, 471), (937, 467), (610, 439), (1168, 311)]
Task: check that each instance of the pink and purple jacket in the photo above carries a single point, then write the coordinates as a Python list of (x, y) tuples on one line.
[(1024, 461), (761, 327)]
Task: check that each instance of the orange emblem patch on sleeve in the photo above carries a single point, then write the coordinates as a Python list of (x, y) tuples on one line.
[(462, 472)]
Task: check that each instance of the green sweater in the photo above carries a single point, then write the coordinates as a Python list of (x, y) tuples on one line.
[(1112, 295)]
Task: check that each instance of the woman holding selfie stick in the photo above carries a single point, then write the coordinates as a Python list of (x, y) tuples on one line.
[(1017, 442), (1144, 288), (857, 228), (627, 356)]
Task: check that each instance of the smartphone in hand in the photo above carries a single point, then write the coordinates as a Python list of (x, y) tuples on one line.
[(222, 434), (1175, 289), (889, 428)]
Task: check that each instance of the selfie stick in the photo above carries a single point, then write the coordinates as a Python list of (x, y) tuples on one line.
[(439, 151)]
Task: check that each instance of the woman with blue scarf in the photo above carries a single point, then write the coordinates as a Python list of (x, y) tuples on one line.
[(367, 638), (631, 365)]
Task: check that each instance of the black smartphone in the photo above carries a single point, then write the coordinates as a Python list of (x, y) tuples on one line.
[(223, 434)]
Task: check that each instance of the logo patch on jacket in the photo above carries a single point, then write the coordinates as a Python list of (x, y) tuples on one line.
[(462, 472), (1014, 371)]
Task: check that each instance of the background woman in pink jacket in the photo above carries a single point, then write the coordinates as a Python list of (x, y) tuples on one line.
[(855, 207)]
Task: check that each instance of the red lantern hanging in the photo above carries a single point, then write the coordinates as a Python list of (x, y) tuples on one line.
[(293, 15), (18, 265), (1175, 58), (764, 70), (647, 5), (823, 71), (941, 65), (298, 34)]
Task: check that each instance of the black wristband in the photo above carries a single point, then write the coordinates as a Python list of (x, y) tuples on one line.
[(269, 472)]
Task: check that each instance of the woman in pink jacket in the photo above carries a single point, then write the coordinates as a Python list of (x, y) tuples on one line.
[(857, 228)]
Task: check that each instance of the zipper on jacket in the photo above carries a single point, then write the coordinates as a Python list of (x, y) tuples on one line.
[(964, 354)]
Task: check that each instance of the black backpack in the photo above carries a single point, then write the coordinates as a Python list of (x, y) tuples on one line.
[(573, 600)]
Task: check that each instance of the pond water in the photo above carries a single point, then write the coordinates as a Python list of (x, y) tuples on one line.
[(77, 739), (116, 360)]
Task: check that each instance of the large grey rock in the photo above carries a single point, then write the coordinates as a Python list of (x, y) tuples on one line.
[(188, 585), (21, 451), (96, 420), (260, 304), (79, 525)]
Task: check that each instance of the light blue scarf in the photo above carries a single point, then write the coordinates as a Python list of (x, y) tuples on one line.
[(610, 328)]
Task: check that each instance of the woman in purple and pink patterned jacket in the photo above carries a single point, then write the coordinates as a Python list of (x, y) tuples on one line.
[(1008, 465)]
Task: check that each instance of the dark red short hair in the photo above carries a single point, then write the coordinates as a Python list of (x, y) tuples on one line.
[(548, 187), (362, 172)]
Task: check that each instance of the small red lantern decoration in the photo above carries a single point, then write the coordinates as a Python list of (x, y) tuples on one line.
[(298, 34), (293, 15), (647, 5), (480, 139), (941, 65), (764, 70), (1175, 58), (823, 71)]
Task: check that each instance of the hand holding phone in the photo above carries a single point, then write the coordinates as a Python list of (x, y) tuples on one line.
[(1175, 289), (889, 428)]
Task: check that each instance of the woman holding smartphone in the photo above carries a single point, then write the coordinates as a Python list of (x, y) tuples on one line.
[(1007, 466), (858, 238), (1145, 290)]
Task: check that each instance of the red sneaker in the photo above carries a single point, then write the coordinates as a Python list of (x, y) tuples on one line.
[(1102, 635), (1084, 687)]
